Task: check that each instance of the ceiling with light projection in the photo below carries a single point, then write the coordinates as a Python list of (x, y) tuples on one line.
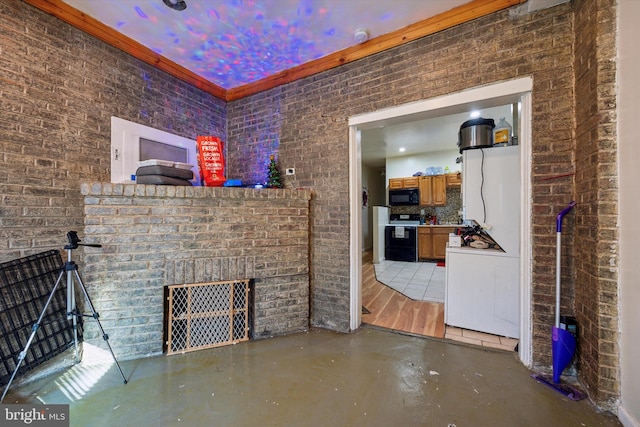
[(235, 42)]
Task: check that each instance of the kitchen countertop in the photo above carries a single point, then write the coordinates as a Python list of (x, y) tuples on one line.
[(478, 251), (426, 225)]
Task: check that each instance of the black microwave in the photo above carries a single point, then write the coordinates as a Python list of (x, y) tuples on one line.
[(404, 197)]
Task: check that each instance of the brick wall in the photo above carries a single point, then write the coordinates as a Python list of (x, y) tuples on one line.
[(311, 119), (311, 116), (596, 242), (59, 88), (153, 236)]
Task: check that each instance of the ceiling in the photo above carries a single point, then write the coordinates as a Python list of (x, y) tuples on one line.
[(422, 135), (235, 42), (236, 48)]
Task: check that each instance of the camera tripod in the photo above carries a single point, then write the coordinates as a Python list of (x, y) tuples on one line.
[(70, 268)]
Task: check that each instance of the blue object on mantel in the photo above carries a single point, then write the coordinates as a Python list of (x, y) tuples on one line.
[(233, 183)]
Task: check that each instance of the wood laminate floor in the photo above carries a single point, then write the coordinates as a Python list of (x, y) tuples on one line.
[(390, 309)]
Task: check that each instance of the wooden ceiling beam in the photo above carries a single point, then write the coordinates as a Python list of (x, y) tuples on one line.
[(456, 16)]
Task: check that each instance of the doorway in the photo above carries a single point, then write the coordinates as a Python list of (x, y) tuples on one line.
[(508, 92)]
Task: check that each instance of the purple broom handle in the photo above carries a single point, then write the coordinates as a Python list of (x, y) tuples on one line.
[(561, 215)]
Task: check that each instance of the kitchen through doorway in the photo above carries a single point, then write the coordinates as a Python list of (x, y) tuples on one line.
[(386, 307), (515, 91)]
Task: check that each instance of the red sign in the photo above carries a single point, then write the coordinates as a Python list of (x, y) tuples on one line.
[(211, 161)]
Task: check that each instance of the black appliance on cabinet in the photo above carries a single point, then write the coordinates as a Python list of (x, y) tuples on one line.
[(401, 238), (404, 197)]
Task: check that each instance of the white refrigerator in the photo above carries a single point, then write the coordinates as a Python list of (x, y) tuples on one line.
[(491, 193), (380, 221), (483, 285)]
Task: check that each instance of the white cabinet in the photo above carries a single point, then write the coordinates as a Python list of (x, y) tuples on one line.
[(482, 291), (483, 285), (491, 193)]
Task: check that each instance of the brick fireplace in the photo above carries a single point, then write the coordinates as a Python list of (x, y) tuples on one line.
[(154, 236)]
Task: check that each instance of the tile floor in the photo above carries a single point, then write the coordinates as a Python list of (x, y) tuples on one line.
[(425, 281), (422, 281)]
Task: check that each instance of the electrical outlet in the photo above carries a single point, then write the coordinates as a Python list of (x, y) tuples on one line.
[(291, 171)]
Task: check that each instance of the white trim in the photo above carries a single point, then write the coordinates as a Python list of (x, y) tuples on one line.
[(626, 418), (627, 94), (355, 244), (525, 349), (495, 94)]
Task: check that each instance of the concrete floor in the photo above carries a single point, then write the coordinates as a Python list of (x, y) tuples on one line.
[(369, 378)]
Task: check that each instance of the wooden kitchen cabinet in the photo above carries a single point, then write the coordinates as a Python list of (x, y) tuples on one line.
[(425, 191), (433, 190), (399, 183), (439, 190), (440, 238), (432, 242), (425, 244), (454, 179), (411, 182), (395, 183)]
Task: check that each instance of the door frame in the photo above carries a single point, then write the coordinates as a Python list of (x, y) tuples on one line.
[(507, 92)]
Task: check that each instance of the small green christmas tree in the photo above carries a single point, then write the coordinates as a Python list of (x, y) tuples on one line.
[(273, 176)]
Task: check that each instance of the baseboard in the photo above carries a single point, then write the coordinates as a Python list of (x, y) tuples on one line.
[(626, 418)]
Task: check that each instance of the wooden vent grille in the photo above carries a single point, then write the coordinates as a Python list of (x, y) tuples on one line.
[(206, 315)]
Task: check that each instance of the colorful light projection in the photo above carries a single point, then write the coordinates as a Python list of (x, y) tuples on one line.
[(234, 42)]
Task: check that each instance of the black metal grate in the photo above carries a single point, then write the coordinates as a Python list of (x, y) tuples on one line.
[(205, 315), (25, 286)]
